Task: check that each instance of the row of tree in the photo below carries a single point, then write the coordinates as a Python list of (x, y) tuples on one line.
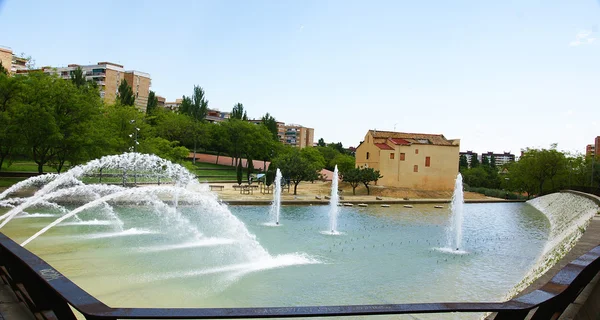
[(542, 171), (537, 172), (56, 122)]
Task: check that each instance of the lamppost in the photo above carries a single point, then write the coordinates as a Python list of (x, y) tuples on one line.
[(133, 149)]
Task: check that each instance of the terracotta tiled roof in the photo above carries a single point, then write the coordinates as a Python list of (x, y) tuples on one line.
[(383, 146), (399, 141), (413, 138)]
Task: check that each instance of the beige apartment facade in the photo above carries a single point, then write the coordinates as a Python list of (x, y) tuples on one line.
[(295, 135), (107, 76), (6, 57), (140, 84), (410, 160)]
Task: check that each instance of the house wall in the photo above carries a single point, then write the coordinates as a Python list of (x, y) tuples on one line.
[(361, 153), (440, 175)]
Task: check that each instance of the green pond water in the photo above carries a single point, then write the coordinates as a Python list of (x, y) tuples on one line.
[(383, 255)]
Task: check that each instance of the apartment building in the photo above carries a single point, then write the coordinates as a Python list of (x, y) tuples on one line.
[(214, 115), (417, 161), (140, 84), (173, 105), (6, 57), (11, 62), (593, 149), (469, 155), (161, 101), (500, 158), (106, 75), (296, 135)]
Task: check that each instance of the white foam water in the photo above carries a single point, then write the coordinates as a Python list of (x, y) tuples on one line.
[(569, 214), (334, 210)]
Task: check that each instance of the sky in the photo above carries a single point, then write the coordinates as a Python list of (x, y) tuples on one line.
[(499, 75)]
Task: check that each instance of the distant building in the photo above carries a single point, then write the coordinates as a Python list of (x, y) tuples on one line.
[(590, 149), (410, 160), (6, 57), (11, 62), (140, 84), (296, 135), (161, 101), (107, 76), (173, 106), (500, 158), (215, 115), (593, 149), (469, 155)]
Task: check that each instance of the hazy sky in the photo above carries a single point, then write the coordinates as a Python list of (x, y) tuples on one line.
[(499, 75)]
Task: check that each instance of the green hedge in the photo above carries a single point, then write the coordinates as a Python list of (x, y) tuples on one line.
[(496, 193)]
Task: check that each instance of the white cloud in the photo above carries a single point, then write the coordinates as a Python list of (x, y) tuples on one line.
[(583, 37)]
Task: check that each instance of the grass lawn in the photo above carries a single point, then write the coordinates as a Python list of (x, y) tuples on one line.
[(7, 182), (26, 166)]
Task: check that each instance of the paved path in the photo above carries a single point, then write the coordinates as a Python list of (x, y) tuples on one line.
[(227, 161)]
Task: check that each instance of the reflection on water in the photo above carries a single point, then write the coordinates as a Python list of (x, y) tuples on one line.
[(383, 255)]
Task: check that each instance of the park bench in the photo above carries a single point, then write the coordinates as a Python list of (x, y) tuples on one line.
[(215, 187)]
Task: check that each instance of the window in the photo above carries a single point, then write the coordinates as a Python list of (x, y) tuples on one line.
[(416, 151), (367, 156), (428, 161), (416, 168), (391, 156), (402, 155)]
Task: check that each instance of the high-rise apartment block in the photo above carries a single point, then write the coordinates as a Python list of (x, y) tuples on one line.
[(108, 76), (11, 62), (292, 134), (593, 149), (296, 135), (499, 158)]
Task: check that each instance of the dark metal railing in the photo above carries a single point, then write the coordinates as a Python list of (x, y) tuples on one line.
[(48, 294)]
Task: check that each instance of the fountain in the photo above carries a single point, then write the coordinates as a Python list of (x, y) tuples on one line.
[(188, 215), (276, 205), (333, 202), (454, 230), (176, 245)]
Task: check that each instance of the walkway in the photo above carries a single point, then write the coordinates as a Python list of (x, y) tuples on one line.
[(227, 161)]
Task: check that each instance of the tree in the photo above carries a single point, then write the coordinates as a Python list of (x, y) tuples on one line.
[(152, 103), (463, 164), (493, 162), (474, 161), (368, 175), (271, 124), (237, 112), (321, 143), (3, 70), (125, 94), (164, 148), (485, 161), (249, 168), (239, 173), (196, 107), (352, 176), (270, 175), (78, 78), (11, 90), (536, 168), (343, 162), (298, 166)]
